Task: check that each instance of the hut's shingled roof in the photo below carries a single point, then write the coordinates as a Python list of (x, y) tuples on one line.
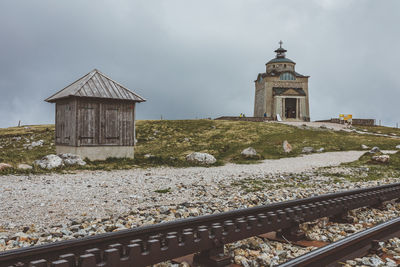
[(96, 84)]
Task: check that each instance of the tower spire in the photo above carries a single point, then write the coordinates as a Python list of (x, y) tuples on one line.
[(280, 52)]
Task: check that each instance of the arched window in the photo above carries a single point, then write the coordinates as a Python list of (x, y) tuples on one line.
[(287, 76)]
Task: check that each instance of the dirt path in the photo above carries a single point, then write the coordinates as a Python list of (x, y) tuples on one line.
[(334, 127)]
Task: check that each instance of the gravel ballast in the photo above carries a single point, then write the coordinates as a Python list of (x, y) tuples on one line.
[(57, 198), (39, 209)]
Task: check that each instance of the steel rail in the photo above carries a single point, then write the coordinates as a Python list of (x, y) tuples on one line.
[(348, 248), (152, 244)]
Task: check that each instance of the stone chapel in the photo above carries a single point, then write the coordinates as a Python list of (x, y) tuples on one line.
[(281, 92)]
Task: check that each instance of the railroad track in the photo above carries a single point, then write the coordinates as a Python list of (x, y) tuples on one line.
[(353, 246), (204, 235)]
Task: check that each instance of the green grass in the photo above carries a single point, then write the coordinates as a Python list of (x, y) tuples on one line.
[(163, 191), (365, 169), (376, 171), (380, 129), (170, 141)]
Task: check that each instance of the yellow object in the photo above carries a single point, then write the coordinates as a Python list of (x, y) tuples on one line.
[(346, 117)]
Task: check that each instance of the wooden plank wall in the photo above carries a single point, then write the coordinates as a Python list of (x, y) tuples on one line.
[(65, 122), (105, 123)]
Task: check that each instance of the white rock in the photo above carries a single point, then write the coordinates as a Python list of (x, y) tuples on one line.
[(49, 162), (307, 149), (390, 262), (366, 261), (398, 147), (38, 143), (147, 156), (23, 166), (364, 146), (72, 159), (376, 261), (320, 150), (249, 152), (4, 166), (202, 158), (287, 147), (381, 158), (374, 150)]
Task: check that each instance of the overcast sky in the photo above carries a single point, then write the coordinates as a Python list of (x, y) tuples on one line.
[(198, 59)]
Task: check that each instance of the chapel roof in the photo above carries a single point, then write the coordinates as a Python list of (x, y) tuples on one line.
[(280, 56)]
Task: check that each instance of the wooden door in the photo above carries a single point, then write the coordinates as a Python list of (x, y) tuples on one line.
[(110, 126), (88, 123), (63, 124)]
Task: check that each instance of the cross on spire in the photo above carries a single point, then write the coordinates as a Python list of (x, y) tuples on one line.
[(280, 44)]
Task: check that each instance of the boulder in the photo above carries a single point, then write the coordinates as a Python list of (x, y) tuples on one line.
[(72, 159), (4, 166), (320, 150), (49, 162), (287, 148), (24, 166), (148, 156), (201, 158), (374, 150), (381, 158), (249, 152), (364, 146), (398, 147), (307, 150)]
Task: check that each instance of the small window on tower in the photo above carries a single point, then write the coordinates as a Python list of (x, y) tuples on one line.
[(284, 65)]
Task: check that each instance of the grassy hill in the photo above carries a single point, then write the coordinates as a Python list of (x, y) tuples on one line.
[(169, 142)]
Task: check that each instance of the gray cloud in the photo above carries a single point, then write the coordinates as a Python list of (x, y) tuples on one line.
[(199, 58)]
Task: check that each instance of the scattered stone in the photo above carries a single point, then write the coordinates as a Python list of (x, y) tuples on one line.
[(201, 158), (72, 159), (398, 147), (4, 166), (307, 150), (249, 153), (381, 158), (49, 162), (38, 143), (287, 148), (148, 156), (23, 166), (186, 139), (374, 150), (320, 150), (364, 146)]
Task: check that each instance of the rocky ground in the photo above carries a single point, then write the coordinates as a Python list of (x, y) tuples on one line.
[(38, 209), (390, 257)]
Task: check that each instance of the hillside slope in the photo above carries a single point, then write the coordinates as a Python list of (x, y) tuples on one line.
[(166, 142)]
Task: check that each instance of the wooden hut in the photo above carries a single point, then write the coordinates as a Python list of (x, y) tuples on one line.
[(95, 118)]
